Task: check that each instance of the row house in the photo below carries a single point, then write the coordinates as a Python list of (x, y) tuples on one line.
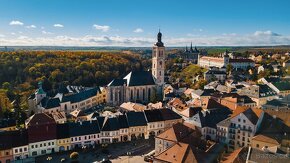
[(44, 136), (109, 127), (84, 134), (13, 145), (63, 137), (137, 125), (238, 130), (41, 134)]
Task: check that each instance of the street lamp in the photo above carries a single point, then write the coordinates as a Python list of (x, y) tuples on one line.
[(49, 158), (128, 154)]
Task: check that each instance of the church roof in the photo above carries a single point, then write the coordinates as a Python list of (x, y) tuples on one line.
[(139, 78)]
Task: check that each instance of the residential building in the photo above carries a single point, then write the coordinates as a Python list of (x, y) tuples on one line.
[(63, 141), (208, 118), (84, 134), (260, 93), (41, 134), (137, 125), (20, 145), (244, 123)]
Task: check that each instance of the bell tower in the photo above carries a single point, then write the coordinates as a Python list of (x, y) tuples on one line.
[(158, 60)]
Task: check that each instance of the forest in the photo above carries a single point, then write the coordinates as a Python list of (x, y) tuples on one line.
[(20, 71)]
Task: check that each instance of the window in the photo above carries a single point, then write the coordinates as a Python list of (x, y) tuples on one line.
[(20, 150), (257, 145), (16, 150), (239, 120), (48, 143), (25, 149), (244, 121)]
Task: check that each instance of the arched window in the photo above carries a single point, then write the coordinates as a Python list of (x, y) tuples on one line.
[(149, 93), (143, 94), (137, 93), (111, 95), (160, 63), (160, 73), (131, 95)]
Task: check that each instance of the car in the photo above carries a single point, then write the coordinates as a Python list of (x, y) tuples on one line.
[(148, 158)]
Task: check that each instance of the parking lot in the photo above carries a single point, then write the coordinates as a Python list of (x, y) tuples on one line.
[(119, 152)]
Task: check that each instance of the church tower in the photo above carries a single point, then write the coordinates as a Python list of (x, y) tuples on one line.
[(158, 60)]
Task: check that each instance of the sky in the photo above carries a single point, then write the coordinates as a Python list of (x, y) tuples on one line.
[(136, 22)]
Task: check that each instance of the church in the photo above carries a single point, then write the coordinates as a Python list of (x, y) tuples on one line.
[(140, 86)]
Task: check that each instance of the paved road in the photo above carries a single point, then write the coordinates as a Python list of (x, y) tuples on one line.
[(118, 153)]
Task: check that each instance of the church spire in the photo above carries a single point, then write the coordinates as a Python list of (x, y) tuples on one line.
[(159, 39)]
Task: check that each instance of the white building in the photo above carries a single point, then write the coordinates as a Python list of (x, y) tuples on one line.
[(240, 128)]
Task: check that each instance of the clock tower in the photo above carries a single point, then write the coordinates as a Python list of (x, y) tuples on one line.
[(158, 60)]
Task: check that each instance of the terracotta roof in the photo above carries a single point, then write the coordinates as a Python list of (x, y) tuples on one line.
[(266, 139), (178, 153), (176, 132), (237, 156), (253, 114)]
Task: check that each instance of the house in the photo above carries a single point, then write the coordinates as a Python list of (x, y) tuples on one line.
[(123, 128), (280, 85), (6, 145), (137, 125), (170, 118), (84, 134), (213, 75), (260, 93), (177, 133), (131, 106), (20, 145), (59, 117), (241, 127), (41, 134), (249, 155), (233, 100), (208, 118), (109, 127), (181, 144), (155, 122), (63, 141)]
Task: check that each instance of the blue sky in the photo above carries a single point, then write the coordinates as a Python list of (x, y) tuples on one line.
[(136, 22)]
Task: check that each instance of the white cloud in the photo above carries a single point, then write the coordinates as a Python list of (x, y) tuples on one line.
[(31, 26), (16, 22), (265, 33), (1, 35), (58, 25), (138, 30), (103, 28), (12, 33), (46, 33), (201, 40)]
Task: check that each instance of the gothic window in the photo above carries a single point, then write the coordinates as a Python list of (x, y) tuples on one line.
[(131, 95), (120, 96), (160, 73), (137, 93), (149, 93), (154, 65), (116, 96), (111, 96), (160, 63), (143, 94)]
